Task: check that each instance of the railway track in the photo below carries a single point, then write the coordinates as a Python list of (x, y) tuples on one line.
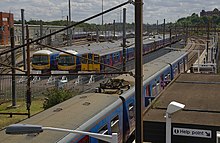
[(194, 46), (6, 59)]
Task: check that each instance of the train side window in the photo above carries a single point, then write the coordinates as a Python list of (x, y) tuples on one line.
[(131, 110), (115, 125), (104, 131)]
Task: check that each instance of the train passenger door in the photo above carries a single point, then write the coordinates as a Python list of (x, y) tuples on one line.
[(96, 65), (90, 62), (84, 62)]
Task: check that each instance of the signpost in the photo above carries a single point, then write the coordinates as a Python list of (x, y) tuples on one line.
[(192, 132)]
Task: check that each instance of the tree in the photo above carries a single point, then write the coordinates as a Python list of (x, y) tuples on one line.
[(55, 96)]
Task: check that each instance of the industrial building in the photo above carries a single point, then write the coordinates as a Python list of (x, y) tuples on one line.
[(6, 21)]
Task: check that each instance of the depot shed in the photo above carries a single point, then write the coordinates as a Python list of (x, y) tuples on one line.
[(198, 122)]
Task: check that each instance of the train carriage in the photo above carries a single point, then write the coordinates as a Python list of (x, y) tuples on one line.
[(67, 62), (44, 60), (114, 56)]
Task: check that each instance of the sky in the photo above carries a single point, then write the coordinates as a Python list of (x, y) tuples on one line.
[(153, 10)]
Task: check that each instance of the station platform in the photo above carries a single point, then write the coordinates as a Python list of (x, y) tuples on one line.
[(201, 95)]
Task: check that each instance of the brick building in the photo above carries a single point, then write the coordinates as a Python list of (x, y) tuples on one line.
[(6, 21), (215, 12)]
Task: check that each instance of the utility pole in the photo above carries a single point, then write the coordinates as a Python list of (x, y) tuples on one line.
[(28, 94), (67, 31), (124, 39), (164, 32), (170, 36), (207, 47), (41, 32), (138, 70), (13, 65), (102, 18), (70, 33), (23, 40), (114, 29), (157, 27)]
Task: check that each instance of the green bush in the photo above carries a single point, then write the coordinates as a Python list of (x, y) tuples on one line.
[(55, 96)]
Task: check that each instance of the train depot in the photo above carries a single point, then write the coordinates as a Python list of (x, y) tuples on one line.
[(197, 122)]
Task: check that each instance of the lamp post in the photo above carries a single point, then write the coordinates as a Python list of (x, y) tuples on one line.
[(17, 129), (171, 109)]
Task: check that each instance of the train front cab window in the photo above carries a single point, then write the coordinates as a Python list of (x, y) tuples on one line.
[(104, 131), (40, 59), (67, 60)]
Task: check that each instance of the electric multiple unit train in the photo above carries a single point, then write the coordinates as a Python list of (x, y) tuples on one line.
[(96, 53), (105, 113)]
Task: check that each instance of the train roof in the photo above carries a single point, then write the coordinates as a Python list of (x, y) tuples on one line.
[(151, 68), (109, 47), (130, 43), (46, 52), (69, 51), (69, 114)]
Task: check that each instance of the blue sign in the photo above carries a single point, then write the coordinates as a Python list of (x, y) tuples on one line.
[(2, 28)]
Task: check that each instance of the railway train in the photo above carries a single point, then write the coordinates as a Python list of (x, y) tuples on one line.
[(69, 62), (105, 52), (104, 113), (114, 57), (44, 60)]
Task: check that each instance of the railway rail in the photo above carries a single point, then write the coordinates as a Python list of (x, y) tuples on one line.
[(194, 46)]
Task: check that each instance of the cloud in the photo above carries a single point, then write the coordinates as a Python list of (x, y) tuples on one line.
[(153, 10)]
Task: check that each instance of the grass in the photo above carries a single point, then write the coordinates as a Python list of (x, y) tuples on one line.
[(5, 120)]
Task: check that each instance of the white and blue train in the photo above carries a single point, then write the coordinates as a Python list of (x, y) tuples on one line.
[(104, 113)]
